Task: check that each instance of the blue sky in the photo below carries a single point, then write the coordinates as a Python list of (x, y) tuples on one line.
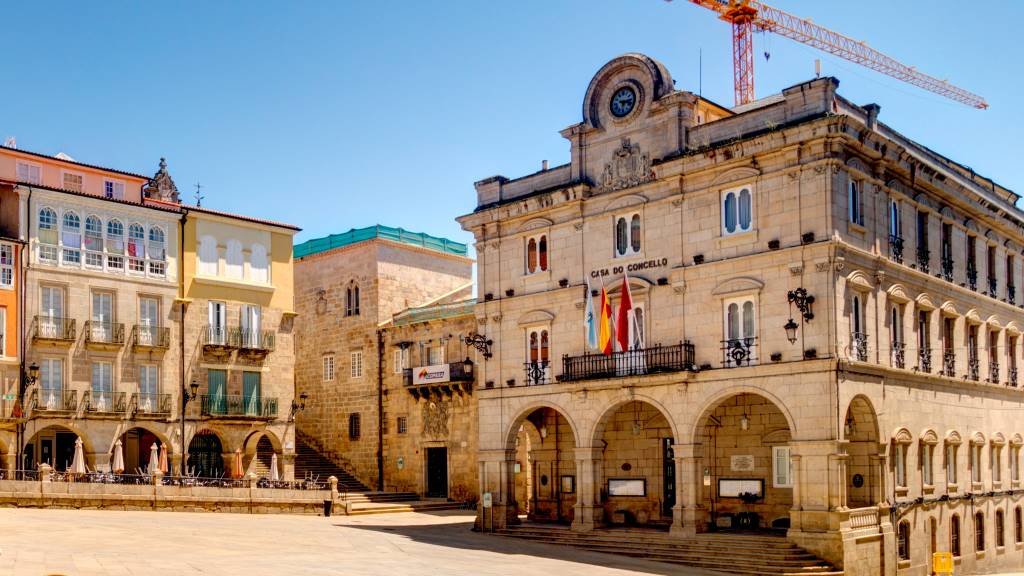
[(333, 115)]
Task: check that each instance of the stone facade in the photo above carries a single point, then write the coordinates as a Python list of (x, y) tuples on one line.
[(347, 294), (738, 403)]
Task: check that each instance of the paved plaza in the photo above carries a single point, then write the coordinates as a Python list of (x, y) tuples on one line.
[(92, 542)]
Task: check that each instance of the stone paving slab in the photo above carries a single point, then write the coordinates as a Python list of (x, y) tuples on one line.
[(37, 542)]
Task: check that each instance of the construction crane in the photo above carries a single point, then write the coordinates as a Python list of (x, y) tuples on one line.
[(749, 16)]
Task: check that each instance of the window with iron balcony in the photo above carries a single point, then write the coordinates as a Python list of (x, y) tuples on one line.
[(947, 251), (948, 349), (896, 232), (923, 254), (972, 353), (896, 343), (738, 347), (924, 351)]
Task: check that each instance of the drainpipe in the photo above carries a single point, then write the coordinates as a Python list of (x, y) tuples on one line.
[(181, 334), (380, 410), (19, 434)]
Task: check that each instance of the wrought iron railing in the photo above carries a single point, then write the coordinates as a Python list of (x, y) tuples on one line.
[(899, 355), (993, 371), (947, 269), (896, 248), (238, 406), (1011, 294), (146, 403), (1011, 376), (54, 328), (972, 367), (949, 363), (262, 340), (215, 336), (537, 373), (151, 336), (924, 360), (111, 333), (993, 286), (738, 352), (104, 402), (923, 259), (54, 400), (860, 346), (972, 276), (457, 372), (637, 362)]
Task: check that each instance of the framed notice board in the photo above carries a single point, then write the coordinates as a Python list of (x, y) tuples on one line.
[(733, 487)]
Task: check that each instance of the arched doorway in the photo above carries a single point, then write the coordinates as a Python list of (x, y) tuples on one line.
[(206, 455), (53, 445), (258, 454), (636, 478), (747, 470), (546, 475), (863, 467), (137, 449)]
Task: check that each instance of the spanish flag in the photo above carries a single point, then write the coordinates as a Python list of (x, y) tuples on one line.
[(604, 325)]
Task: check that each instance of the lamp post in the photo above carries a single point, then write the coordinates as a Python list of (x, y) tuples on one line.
[(29, 376), (297, 406), (186, 397)]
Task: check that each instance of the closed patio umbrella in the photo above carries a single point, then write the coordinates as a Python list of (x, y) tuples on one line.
[(163, 459), (274, 476), (236, 466), (118, 465), (154, 459), (78, 463)]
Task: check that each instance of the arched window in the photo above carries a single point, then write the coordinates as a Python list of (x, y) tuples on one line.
[(737, 211), (954, 535), (48, 221), (531, 255), (537, 254), (71, 232), (352, 299), (903, 540), (542, 251), (634, 233), (115, 237), (208, 257), (47, 236), (157, 244), (538, 343), (233, 260), (1000, 529), (858, 327), (93, 242), (979, 532), (136, 241), (258, 266), (620, 237)]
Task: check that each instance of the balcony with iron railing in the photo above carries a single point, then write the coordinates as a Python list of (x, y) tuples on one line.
[(151, 337), (536, 373), (947, 268), (238, 406), (53, 329), (251, 340), (924, 360), (1011, 294), (859, 344), (923, 259), (104, 335), (972, 276), (973, 366), (1011, 376), (737, 352), (457, 372), (101, 402), (896, 248), (993, 371), (899, 355), (637, 362), (948, 364), (993, 287), (147, 404), (217, 337), (53, 400)]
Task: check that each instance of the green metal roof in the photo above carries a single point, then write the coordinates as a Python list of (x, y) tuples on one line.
[(318, 245), (436, 312)]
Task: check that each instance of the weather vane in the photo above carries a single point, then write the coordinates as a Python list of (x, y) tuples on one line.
[(199, 197)]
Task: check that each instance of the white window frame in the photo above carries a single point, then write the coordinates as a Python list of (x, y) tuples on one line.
[(355, 371), (952, 474), (784, 480), (630, 250), (855, 199), (996, 462), (3, 331), (742, 333), (975, 458), (63, 180), (400, 359), (328, 368), (900, 465), (6, 266), (537, 238), (116, 187), (736, 192), (927, 463), (38, 180), (259, 264)]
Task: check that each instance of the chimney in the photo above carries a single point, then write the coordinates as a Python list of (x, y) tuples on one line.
[(543, 165), (872, 110)]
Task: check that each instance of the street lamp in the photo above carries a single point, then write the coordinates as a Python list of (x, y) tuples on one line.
[(186, 397), (298, 406), (790, 328)]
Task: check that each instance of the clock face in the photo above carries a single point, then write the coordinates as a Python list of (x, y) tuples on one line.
[(623, 101)]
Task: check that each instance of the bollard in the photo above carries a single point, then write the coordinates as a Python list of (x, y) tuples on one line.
[(44, 472)]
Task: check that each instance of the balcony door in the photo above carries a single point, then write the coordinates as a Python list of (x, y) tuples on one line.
[(251, 393), (102, 386), (217, 323), (51, 312), (149, 320), (251, 321), (217, 384), (102, 326), (51, 383), (538, 350), (149, 387)]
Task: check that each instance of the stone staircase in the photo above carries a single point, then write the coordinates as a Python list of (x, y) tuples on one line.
[(311, 464), (374, 506), (747, 554)]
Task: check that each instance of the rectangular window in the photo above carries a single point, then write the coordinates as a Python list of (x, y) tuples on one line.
[(6, 265), (1015, 464), (996, 454), (403, 424), (102, 377), (951, 464), (113, 189), (900, 464), (252, 393), (157, 269), (30, 173), (927, 455), (73, 182), (536, 254), (135, 265), (149, 380), (356, 364), (93, 260), (628, 235), (782, 466), (975, 463), (435, 355), (115, 262), (71, 257), (217, 329), (51, 379), (737, 211), (48, 254), (353, 426), (329, 368), (217, 388), (101, 325), (856, 201), (51, 310), (400, 359), (740, 331)]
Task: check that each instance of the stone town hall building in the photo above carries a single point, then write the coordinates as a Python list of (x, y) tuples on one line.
[(881, 420)]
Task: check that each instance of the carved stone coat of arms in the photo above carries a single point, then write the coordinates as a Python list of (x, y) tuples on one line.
[(628, 167)]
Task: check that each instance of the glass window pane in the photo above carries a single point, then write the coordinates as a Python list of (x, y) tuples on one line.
[(543, 253), (748, 319), (733, 321), (531, 256), (634, 233), (620, 236), (744, 210), (730, 212)]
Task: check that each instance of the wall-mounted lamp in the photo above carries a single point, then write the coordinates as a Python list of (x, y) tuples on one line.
[(790, 328), (298, 406), (543, 431)]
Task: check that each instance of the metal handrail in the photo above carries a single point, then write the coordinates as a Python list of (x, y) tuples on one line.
[(104, 332), (54, 399), (151, 336), (636, 362), (104, 401), (147, 403), (738, 352), (53, 328), (238, 405)]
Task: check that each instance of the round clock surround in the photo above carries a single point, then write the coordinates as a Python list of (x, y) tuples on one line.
[(623, 101)]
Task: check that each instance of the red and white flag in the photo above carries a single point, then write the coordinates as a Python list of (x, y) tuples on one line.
[(624, 319)]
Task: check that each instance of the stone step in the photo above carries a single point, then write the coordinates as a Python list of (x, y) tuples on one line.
[(361, 497), (771, 544), (361, 510)]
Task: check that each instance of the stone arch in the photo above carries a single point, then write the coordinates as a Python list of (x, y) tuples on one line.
[(993, 322), (135, 450), (858, 164), (858, 279), (929, 436), (205, 454), (602, 421), (998, 439), (627, 201), (978, 439), (862, 410), (953, 437), (902, 436), (712, 402), (258, 450), (736, 175), (61, 453), (528, 409), (948, 308), (863, 470), (738, 285), (536, 317), (972, 316), (657, 84), (1016, 440), (925, 302), (535, 224), (948, 213), (251, 439)]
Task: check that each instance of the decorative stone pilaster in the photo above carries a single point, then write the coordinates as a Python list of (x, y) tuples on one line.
[(587, 513), (688, 515), (497, 476)]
